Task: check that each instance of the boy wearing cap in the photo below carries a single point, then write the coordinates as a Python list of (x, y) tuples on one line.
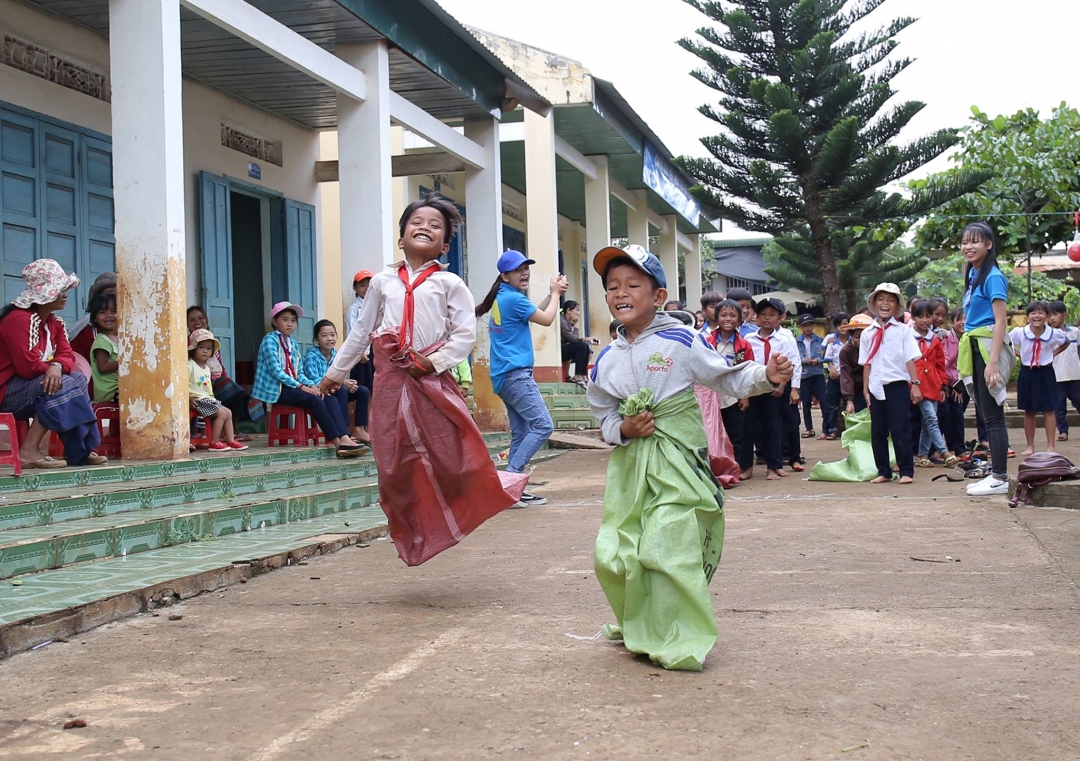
[(888, 351), (361, 282), (663, 524), (764, 422), (812, 354), (511, 357)]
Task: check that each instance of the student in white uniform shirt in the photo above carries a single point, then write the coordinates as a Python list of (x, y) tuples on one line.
[(888, 350), (1066, 369), (765, 417), (1036, 345)]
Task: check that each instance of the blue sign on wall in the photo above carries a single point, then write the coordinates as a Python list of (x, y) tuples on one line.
[(254, 171), (661, 176)]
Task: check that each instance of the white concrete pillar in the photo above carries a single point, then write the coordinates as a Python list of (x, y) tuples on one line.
[(484, 244), (368, 228), (598, 236), (669, 257), (693, 273), (543, 234), (637, 220), (148, 193)]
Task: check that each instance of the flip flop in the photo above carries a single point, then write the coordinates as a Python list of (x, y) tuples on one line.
[(1063, 437), (46, 463)]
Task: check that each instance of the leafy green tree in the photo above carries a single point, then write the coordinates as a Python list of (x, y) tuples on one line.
[(1034, 168), (944, 278), (807, 139)]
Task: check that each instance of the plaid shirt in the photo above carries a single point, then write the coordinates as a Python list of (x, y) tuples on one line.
[(270, 373), (315, 364)]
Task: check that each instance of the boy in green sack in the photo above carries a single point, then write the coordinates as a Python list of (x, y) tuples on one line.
[(663, 523)]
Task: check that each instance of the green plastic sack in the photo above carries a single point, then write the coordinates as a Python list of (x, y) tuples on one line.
[(859, 465), (661, 536)]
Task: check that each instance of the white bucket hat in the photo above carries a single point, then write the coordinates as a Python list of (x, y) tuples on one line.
[(892, 288)]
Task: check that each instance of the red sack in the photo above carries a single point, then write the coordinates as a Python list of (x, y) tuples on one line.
[(437, 482), (721, 453)]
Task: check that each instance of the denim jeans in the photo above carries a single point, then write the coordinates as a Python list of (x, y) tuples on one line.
[(530, 422), (931, 430), (813, 387)]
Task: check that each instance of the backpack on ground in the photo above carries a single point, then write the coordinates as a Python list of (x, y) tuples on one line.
[(1040, 469)]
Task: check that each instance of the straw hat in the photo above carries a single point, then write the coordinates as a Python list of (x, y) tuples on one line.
[(859, 322), (45, 281)]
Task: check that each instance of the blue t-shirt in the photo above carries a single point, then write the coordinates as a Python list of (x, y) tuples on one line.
[(511, 341), (979, 303)]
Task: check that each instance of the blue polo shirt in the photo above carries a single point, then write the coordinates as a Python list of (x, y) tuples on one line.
[(511, 340), (979, 303)]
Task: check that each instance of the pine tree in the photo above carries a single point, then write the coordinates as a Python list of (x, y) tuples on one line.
[(808, 140)]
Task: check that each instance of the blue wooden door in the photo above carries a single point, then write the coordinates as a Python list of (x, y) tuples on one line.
[(302, 277), (20, 198), (215, 245), (97, 242), (61, 204)]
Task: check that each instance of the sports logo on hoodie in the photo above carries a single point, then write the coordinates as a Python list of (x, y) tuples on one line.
[(658, 363)]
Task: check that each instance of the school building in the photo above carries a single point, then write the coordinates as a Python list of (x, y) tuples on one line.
[(236, 153)]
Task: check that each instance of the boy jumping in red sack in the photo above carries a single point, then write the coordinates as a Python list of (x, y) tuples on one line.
[(437, 482)]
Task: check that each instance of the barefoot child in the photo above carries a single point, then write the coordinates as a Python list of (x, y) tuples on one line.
[(663, 524), (763, 424), (1036, 346), (888, 352), (1066, 369), (201, 347), (104, 352), (437, 482)]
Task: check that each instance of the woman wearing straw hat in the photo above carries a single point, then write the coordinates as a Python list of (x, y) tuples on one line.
[(36, 363)]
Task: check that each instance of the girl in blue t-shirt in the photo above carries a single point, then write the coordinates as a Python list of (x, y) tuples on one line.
[(511, 357), (985, 354)]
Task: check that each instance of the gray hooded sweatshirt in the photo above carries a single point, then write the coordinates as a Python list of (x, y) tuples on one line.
[(669, 358)]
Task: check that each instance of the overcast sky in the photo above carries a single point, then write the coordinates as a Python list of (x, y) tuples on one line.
[(1001, 56)]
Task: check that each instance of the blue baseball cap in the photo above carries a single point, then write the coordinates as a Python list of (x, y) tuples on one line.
[(511, 260), (638, 255)]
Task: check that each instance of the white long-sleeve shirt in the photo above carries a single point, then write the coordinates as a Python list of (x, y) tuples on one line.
[(444, 311), (778, 344)]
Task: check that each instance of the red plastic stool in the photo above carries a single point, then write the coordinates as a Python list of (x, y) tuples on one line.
[(108, 422), (7, 422), (200, 442), (298, 429)]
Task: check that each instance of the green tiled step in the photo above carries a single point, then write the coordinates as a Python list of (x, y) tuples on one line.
[(573, 419), (203, 466), (52, 591), (567, 401), (44, 508), (556, 389), (38, 548)]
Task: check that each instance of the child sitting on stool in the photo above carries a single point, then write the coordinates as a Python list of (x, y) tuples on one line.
[(279, 379), (317, 361), (201, 346)]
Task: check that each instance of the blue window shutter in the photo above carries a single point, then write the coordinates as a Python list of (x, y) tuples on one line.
[(20, 199), (60, 205), (98, 242), (302, 283), (215, 228)]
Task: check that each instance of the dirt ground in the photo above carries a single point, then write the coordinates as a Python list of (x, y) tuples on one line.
[(836, 643)]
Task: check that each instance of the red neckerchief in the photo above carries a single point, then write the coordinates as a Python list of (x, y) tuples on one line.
[(875, 343), (288, 359), (928, 339), (1036, 351), (408, 314)]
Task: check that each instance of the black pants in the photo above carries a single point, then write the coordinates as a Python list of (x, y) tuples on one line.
[(813, 387), (789, 421), (951, 418), (993, 415), (577, 352), (733, 427), (1069, 392), (830, 410), (761, 426), (891, 418), (327, 411)]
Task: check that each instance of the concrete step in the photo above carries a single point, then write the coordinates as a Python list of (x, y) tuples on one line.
[(1063, 494)]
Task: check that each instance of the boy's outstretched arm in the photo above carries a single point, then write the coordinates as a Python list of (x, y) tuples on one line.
[(357, 342), (710, 369)]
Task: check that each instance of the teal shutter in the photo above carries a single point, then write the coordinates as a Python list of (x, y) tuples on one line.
[(215, 229), (20, 198), (98, 242), (59, 153), (301, 283)]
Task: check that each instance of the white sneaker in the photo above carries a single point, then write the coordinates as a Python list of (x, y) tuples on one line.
[(989, 486)]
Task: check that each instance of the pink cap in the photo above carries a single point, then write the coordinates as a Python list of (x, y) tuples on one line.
[(281, 306)]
